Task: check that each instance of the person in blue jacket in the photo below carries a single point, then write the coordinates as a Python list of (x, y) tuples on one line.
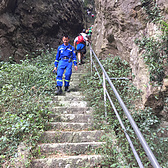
[(65, 57)]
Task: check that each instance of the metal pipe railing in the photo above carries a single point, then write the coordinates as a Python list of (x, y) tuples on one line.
[(123, 78), (119, 119), (125, 132), (143, 142)]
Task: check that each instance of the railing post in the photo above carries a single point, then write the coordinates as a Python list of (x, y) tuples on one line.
[(91, 62), (104, 88)]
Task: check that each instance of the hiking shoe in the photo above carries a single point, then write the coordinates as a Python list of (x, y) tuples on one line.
[(79, 63), (67, 89), (58, 91)]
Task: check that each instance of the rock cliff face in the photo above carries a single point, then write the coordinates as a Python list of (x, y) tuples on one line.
[(118, 24), (30, 25)]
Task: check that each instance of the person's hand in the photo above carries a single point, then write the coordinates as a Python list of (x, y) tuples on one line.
[(76, 68), (55, 70)]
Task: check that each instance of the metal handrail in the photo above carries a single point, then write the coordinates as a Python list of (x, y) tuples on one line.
[(143, 142)]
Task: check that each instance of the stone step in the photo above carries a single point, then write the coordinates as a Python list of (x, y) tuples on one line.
[(67, 162), (71, 103), (71, 136), (77, 75), (75, 79), (87, 118), (74, 87), (71, 110), (71, 94), (70, 148), (69, 97), (70, 126), (81, 69), (75, 83)]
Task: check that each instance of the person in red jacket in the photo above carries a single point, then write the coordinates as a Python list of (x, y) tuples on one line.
[(80, 46)]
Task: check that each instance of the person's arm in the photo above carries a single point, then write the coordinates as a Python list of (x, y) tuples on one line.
[(74, 58), (75, 43), (86, 39), (57, 59), (76, 68)]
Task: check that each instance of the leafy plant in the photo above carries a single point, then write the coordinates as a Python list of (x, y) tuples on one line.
[(25, 92), (154, 56), (155, 49), (117, 148), (152, 10)]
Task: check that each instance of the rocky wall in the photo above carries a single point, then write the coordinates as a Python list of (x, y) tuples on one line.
[(30, 25), (117, 25)]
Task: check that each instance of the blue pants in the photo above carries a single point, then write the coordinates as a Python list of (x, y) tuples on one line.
[(64, 65)]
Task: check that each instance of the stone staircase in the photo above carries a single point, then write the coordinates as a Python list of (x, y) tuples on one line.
[(71, 141)]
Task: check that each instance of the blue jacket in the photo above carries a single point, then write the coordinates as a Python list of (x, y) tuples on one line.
[(65, 51)]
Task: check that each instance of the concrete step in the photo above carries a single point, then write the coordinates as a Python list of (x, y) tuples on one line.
[(82, 67), (69, 97), (77, 75), (70, 126), (71, 110), (71, 136), (75, 94), (75, 79), (70, 148), (75, 87), (71, 103), (87, 118), (80, 161)]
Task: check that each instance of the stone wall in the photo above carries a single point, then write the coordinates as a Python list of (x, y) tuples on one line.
[(30, 25), (117, 25)]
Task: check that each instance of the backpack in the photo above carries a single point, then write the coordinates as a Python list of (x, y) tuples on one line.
[(80, 39)]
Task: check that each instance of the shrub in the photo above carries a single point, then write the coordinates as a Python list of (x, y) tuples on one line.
[(25, 92)]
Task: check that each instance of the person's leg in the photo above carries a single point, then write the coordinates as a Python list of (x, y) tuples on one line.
[(68, 74), (79, 57), (83, 52), (60, 71), (82, 57), (79, 48)]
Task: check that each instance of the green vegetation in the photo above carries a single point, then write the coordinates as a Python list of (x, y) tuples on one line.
[(26, 90), (152, 10), (86, 3), (155, 56), (155, 49), (117, 151)]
